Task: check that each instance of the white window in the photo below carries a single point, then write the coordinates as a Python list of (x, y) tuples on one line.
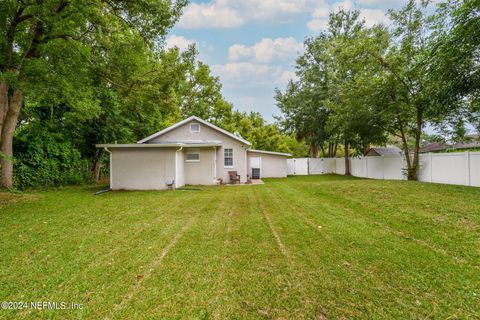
[(228, 158), (192, 155), (195, 127)]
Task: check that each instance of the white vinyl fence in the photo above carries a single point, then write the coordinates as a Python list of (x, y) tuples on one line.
[(461, 168)]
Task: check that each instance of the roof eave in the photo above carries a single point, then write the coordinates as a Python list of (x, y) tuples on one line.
[(271, 152), (158, 145)]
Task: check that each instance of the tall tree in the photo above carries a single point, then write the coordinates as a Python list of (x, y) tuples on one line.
[(454, 57), (49, 43), (406, 93), (324, 105)]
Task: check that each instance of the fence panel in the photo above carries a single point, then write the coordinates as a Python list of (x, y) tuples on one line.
[(448, 168), (425, 171), (298, 166), (357, 167), (475, 169), (290, 167), (394, 168), (329, 165), (340, 166), (374, 167), (316, 166)]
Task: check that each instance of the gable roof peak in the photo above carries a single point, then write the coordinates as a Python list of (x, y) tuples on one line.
[(178, 124)]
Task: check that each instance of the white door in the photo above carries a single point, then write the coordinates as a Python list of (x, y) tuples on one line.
[(255, 162)]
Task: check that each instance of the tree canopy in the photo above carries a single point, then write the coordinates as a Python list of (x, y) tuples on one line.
[(362, 86)]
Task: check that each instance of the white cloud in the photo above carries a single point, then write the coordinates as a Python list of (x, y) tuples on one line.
[(252, 74), (267, 50), (319, 21), (180, 42), (234, 13), (374, 16), (213, 15)]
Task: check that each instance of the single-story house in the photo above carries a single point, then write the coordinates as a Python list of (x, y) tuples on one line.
[(191, 152), (382, 151)]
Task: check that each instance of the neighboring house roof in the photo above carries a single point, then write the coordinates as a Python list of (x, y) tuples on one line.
[(194, 118), (432, 147), (383, 151), (271, 152), (161, 145), (435, 147), (467, 145)]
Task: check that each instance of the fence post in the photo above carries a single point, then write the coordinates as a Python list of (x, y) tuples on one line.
[(430, 164), (469, 179), (366, 166), (383, 167)]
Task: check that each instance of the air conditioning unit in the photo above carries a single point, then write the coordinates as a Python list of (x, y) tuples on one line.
[(255, 173), (170, 183)]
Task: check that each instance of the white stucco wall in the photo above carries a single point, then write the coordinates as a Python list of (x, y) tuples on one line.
[(201, 172), (142, 168), (272, 166), (206, 133)]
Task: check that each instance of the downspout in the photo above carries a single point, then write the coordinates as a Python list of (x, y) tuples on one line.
[(176, 166), (246, 163)]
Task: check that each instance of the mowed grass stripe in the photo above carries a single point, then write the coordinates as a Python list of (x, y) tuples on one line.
[(399, 261), (187, 282), (81, 256), (259, 265), (96, 253), (419, 225), (75, 226), (98, 285), (320, 266), (189, 211)]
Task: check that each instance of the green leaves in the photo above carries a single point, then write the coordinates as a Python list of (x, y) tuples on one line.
[(364, 85), (327, 104)]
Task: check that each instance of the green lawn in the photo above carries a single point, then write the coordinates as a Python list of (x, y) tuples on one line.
[(318, 247)]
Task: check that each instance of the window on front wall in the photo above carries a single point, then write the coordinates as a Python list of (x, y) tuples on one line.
[(195, 127), (192, 155), (228, 157)]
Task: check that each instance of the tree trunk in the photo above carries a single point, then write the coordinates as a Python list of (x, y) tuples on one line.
[(3, 104), (416, 152), (406, 151), (322, 148), (6, 147), (347, 160), (313, 150), (97, 166)]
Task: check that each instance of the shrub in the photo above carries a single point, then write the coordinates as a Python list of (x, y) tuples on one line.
[(43, 159)]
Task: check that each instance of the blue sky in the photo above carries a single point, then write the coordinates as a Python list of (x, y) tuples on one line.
[(252, 44)]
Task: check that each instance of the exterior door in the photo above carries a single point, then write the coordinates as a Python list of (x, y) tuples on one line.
[(255, 162)]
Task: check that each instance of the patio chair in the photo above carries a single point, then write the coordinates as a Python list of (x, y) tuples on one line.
[(234, 177)]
